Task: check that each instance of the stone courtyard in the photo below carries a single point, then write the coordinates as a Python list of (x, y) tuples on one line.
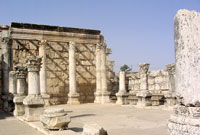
[(60, 80)]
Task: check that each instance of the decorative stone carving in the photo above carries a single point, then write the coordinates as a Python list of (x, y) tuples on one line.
[(93, 129), (21, 90), (144, 96), (73, 96), (55, 118), (33, 102), (186, 119), (122, 95)]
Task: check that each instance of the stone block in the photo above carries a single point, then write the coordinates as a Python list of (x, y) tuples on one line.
[(93, 129), (55, 118)]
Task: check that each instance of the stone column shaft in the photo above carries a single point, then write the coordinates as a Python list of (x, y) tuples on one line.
[(73, 95), (98, 92), (12, 83)]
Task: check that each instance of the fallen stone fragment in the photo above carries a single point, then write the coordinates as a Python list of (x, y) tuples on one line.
[(93, 129)]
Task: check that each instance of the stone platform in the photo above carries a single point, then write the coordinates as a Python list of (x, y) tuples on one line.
[(115, 119)]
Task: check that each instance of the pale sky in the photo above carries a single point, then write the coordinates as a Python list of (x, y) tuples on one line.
[(137, 30)]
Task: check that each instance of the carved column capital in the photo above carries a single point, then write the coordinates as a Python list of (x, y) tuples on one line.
[(6, 40), (20, 72), (72, 45), (171, 68), (144, 67), (42, 43), (33, 63)]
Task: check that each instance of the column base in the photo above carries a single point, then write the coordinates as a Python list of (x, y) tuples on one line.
[(144, 98), (73, 99), (97, 97), (122, 98), (34, 105), (132, 98), (157, 99), (170, 99), (19, 107), (46, 98), (105, 97), (185, 121)]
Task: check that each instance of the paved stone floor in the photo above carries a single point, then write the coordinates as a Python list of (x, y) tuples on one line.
[(12, 126), (119, 120)]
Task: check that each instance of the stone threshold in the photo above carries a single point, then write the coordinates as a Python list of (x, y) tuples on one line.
[(39, 127)]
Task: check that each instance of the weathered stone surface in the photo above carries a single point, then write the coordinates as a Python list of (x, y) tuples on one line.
[(93, 129), (187, 45), (55, 118)]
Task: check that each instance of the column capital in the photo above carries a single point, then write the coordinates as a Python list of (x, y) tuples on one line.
[(20, 72), (42, 43), (6, 40), (171, 68), (33, 63), (144, 67)]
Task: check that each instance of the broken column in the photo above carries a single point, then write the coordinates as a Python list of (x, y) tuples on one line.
[(104, 86), (186, 119), (98, 74), (122, 95), (21, 90), (12, 83), (73, 96), (144, 96), (6, 58), (34, 102), (43, 80), (170, 96)]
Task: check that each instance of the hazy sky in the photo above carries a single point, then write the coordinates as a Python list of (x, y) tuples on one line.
[(137, 30)]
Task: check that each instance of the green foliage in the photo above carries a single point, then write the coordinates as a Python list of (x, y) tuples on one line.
[(125, 68)]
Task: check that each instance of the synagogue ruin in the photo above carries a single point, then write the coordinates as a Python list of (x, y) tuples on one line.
[(43, 66)]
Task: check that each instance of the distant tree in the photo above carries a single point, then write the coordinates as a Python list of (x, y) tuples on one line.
[(125, 68)]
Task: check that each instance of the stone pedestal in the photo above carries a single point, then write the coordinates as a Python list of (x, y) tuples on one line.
[(73, 96), (132, 98), (55, 119), (21, 90), (122, 95), (34, 102), (186, 119), (170, 99), (157, 99), (43, 88), (144, 96)]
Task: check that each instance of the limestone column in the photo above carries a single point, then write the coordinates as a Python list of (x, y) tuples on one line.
[(98, 92), (20, 72), (5, 63), (122, 95), (12, 83), (33, 102), (186, 117), (43, 83), (144, 96), (73, 96), (170, 96), (104, 85)]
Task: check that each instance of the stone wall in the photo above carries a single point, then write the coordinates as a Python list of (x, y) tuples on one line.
[(57, 66), (158, 80)]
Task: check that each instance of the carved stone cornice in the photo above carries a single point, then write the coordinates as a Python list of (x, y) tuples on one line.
[(20, 72), (171, 68), (33, 63), (143, 68)]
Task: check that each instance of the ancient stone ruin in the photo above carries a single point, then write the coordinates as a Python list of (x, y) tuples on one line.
[(186, 118), (44, 65)]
